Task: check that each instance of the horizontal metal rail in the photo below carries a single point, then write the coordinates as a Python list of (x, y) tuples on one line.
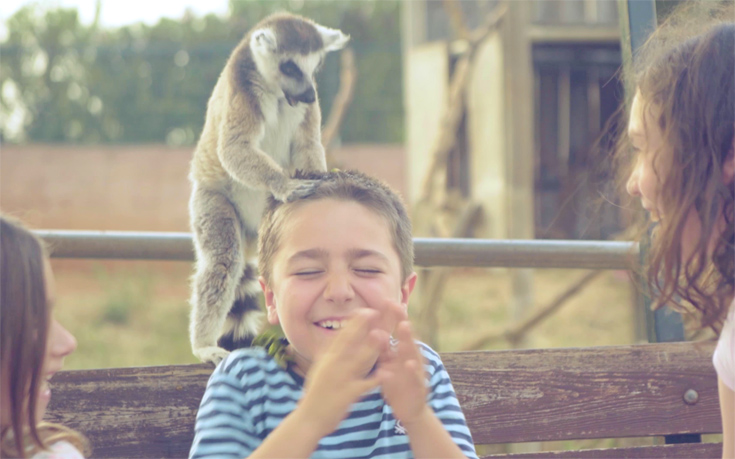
[(430, 252)]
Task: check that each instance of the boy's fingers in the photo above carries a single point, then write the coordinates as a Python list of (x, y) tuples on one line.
[(408, 350), (366, 385), (365, 353), (396, 312), (414, 367), (356, 328)]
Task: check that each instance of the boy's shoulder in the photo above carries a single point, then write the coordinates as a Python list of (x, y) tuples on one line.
[(433, 359), (427, 351), (249, 363)]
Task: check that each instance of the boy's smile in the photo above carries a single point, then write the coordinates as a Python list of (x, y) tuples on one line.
[(334, 258)]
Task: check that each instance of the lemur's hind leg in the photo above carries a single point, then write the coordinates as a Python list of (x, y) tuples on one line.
[(246, 316), (220, 263)]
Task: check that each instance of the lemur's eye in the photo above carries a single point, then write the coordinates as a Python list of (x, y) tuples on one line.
[(290, 69)]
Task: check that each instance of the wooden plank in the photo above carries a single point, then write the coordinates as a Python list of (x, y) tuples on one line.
[(507, 396), (680, 451), (131, 412), (600, 392)]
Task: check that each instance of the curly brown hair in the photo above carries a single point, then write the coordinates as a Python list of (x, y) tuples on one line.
[(685, 74)]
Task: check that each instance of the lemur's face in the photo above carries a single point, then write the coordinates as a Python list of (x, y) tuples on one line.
[(289, 54), (296, 75), (335, 258)]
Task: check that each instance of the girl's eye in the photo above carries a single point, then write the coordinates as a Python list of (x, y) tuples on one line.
[(368, 271), (308, 273)]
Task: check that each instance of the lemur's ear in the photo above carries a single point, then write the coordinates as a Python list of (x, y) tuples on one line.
[(264, 40), (333, 39)]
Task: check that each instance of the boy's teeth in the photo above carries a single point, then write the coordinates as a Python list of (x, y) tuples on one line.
[(331, 324)]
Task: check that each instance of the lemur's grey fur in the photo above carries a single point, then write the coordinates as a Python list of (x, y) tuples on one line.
[(263, 123)]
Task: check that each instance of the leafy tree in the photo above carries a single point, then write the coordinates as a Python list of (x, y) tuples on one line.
[(63, 81)]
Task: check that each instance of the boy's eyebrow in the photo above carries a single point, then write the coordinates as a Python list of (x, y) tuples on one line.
[(315, 254), (310, 254), (363, 253)]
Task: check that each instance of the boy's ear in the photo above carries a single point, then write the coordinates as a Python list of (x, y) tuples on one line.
[(270, 301), (407, 288)]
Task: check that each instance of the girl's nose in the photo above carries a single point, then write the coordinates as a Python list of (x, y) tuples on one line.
[(631, 186), (62, 342)]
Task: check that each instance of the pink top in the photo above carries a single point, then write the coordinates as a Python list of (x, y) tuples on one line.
[(60, 450), (724, 358)]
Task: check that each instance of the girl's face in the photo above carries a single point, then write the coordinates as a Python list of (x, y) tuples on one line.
[(652, 161), (59, 344), (653, 164)]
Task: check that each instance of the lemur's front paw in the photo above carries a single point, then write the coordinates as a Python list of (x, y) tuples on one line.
[(211, 354), (296, 189)]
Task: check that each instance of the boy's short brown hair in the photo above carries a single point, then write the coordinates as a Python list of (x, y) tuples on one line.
[(346, 186)]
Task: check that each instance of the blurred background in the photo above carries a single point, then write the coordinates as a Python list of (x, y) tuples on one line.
[(487, 116), (486, 109)]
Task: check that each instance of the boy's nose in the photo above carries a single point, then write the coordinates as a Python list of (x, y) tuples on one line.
[(339, 288)]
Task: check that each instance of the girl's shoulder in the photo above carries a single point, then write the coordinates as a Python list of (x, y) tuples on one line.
[(724, 357), (60, 450)]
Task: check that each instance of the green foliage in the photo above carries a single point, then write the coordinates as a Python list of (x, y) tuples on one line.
[(122, 297), (63, 81), (275, 344)]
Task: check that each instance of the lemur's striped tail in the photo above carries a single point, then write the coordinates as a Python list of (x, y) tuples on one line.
[(245, 319)]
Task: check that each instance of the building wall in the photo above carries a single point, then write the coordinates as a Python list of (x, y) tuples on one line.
[(130, 188)]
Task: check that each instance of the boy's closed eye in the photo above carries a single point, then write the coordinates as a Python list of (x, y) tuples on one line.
[(308, 272)]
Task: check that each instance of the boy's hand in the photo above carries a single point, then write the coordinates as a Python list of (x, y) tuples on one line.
[(402, 377), (338, 377)]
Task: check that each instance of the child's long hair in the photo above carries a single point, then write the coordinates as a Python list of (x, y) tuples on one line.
[(25, 323), (686, 72)]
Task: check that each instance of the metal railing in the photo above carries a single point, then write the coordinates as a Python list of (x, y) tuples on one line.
[(430, 252)]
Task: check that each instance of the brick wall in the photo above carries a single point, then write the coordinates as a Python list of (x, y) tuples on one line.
[(136, 187)]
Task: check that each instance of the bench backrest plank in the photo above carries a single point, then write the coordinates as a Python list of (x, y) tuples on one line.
[(599, 392), (680, 451), (507, 396)]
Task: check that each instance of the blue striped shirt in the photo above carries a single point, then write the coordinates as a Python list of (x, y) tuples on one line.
[(249, 394)]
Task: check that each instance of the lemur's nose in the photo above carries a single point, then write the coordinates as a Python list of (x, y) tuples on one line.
[(308, 96)]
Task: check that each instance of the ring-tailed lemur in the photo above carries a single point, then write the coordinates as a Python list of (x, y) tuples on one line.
[(263, 123)]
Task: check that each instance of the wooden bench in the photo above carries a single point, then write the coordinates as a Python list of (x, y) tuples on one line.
[(508, 397)]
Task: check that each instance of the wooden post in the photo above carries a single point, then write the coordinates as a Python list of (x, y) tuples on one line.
[(520, 157), (520, 144)]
